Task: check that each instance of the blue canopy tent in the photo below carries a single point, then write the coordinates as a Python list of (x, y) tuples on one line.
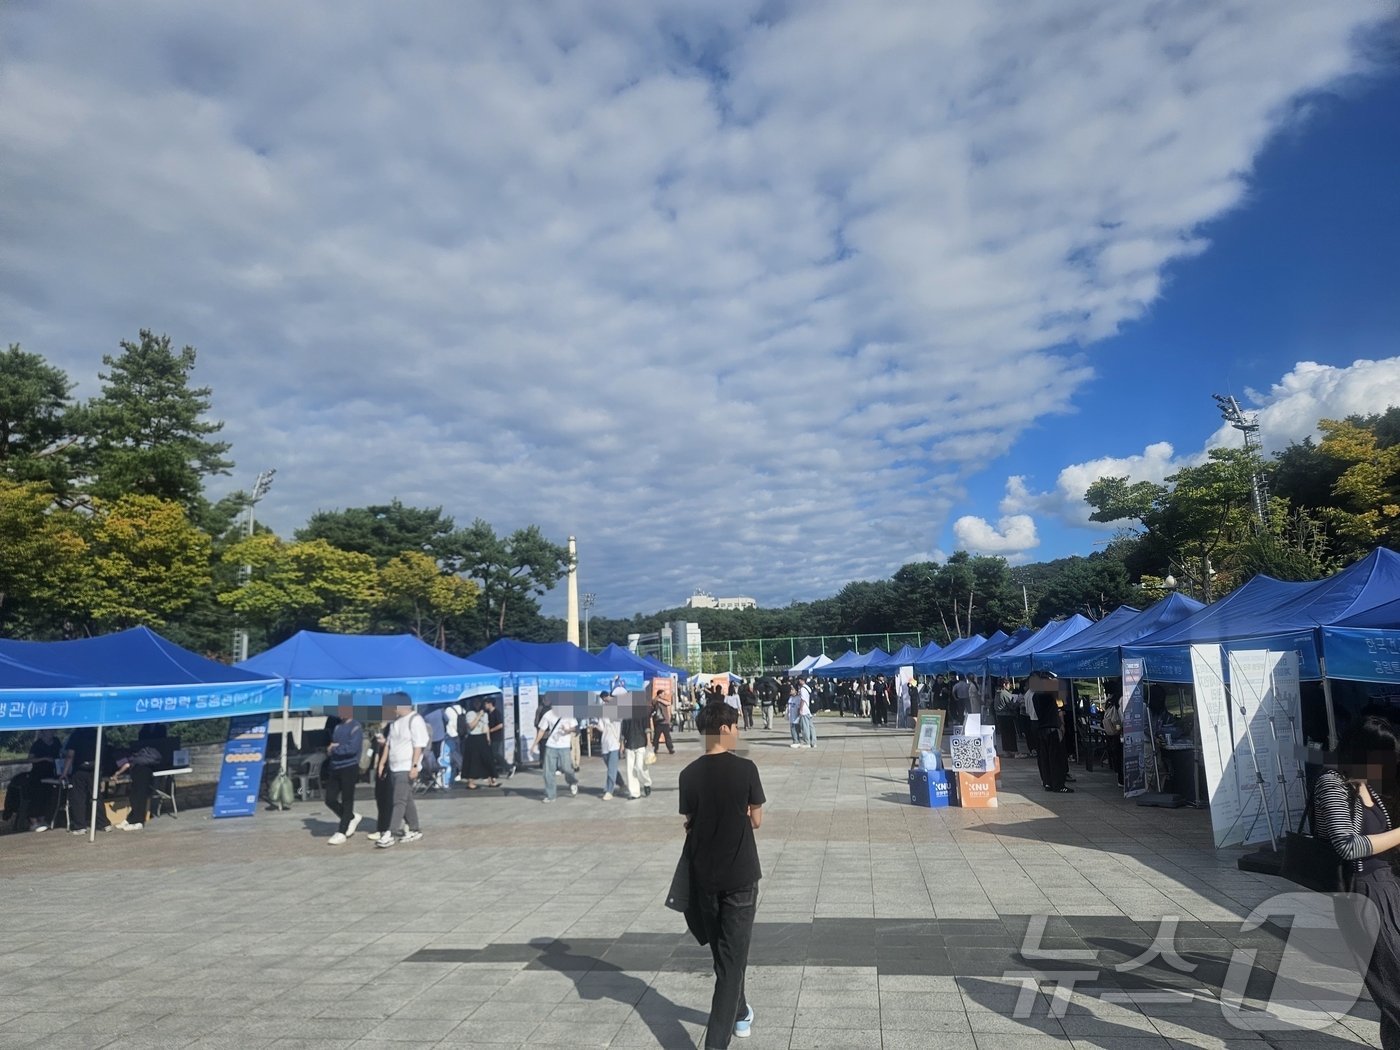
[(555, 666), (1016, 661), (127, 678), (928, 652), (321, 668), (130, 677), (833, 669), (1095, 651), (1266, 613), (938, 662), (857, 667), (620, 658), (903, 658), (974, 661)]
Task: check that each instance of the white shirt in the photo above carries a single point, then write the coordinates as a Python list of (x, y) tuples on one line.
[(449, 721), (405, 734), (612, 734), (560, 730)]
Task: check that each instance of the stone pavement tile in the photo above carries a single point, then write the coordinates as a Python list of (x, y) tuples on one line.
[(838, 1017), (38, 1022), (493, 1031), (673, 1034), (1337, 1034), (63, 1041), (408, 1027), (834, 1039), (905, 1019), (575, 1033), (226, 1042), (909, 1040), (1119, 1043), (1189, 1028), (1003, 1041)]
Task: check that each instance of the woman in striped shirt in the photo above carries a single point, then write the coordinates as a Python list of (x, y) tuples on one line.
[(1348, 813)]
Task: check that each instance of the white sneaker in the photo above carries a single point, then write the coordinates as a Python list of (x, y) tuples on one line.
[(373, 836), (336, 840), (40, 827), (607, 795), (354, 823), (124, 826), (794, 746), (573, 789), (546, 800), (412, 836), (385, 841)]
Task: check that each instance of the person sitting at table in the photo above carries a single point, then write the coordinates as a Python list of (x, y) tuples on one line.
[(33, 798), (78, 767), (141, 766)]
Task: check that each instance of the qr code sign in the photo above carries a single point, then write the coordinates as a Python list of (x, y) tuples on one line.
[(967, 753)]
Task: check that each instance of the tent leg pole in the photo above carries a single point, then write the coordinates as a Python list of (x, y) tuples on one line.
[(96, 782), (286, 716), (1328, 704)]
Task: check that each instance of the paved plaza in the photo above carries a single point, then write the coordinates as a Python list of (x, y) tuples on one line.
[(514, 924)]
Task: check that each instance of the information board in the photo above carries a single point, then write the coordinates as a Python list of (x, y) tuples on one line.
[(240, 773), (1134, 715)]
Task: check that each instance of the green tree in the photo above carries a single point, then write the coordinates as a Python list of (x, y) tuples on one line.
[(306, 585), (512, 572), (147, 562), (43, 556), (1094, 586), (36, 437), (147, 430), (384, 531), (419, 594), (1366, 495)]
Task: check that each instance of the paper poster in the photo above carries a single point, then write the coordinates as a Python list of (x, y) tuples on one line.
[(929, 735), (508, 747), (1265, 708), (1134, 729), (1217, 744), (528, 693)]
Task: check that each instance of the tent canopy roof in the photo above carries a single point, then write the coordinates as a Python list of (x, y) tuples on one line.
[(131, 658), (312, 655)]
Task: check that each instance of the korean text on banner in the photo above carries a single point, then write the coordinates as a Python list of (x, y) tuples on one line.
[(508, 722), (240, 772), (1134, 729), (1217, 744)]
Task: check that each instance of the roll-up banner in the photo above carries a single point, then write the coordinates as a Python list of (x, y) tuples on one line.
[(1134, 729)]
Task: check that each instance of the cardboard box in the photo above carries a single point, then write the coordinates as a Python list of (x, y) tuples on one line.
[(976, 790), (928, 788)]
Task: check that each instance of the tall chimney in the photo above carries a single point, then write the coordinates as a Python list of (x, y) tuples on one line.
[(572, 615)]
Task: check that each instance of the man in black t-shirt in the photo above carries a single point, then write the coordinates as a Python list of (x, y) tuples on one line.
[(721, 798)]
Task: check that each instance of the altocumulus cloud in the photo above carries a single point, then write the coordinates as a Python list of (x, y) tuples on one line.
[(740, 293)]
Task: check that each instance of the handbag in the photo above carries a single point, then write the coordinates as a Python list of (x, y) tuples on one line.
[(1311, 862), (651, 756)]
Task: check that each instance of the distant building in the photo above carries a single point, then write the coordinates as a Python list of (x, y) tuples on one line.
[(706, 600), (677, 644)]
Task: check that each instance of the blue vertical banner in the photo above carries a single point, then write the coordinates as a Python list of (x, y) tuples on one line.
[(240, 773), (1133, 709)]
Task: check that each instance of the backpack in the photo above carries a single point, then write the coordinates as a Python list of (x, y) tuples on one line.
[(462, 731)]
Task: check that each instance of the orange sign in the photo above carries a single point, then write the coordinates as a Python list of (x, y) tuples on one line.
[(977, 790)]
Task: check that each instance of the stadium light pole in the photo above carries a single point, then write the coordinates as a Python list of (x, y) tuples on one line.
[(260, 487), (587, 603)]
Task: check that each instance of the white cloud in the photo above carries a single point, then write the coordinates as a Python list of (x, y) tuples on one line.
[(1013, 534), (734, 292), (1287, 413)]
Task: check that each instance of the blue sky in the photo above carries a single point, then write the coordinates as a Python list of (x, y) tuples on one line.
[(750, 297)]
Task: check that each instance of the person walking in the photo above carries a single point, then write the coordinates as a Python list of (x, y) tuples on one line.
[(554, 739), (451, 756), (496, 735), (408, 739), (767, 692), (1348, 814), (1004, 707), (436, 721), (721, 799), (661, 723), (343, 758), (794, 714), (610, 736), (477, 761), (383, 785), (747, 702), (1050, 755), (1113, 735), (635, 741), (809, 728)]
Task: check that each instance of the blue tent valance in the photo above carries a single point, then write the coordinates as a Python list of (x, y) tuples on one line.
[(127, 678), (555, 666)]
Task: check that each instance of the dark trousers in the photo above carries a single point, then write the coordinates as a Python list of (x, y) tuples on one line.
[(728, 921), (80, 800), (340, 792), (1115, 754), (662, 728), (1383, 968), (142, 779), (747, 710), (383, 801), (1028, 730), (1006, 730), (1050, 757)]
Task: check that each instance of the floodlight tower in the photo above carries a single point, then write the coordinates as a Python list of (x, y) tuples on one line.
[(260, 487), (1231, 412)]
